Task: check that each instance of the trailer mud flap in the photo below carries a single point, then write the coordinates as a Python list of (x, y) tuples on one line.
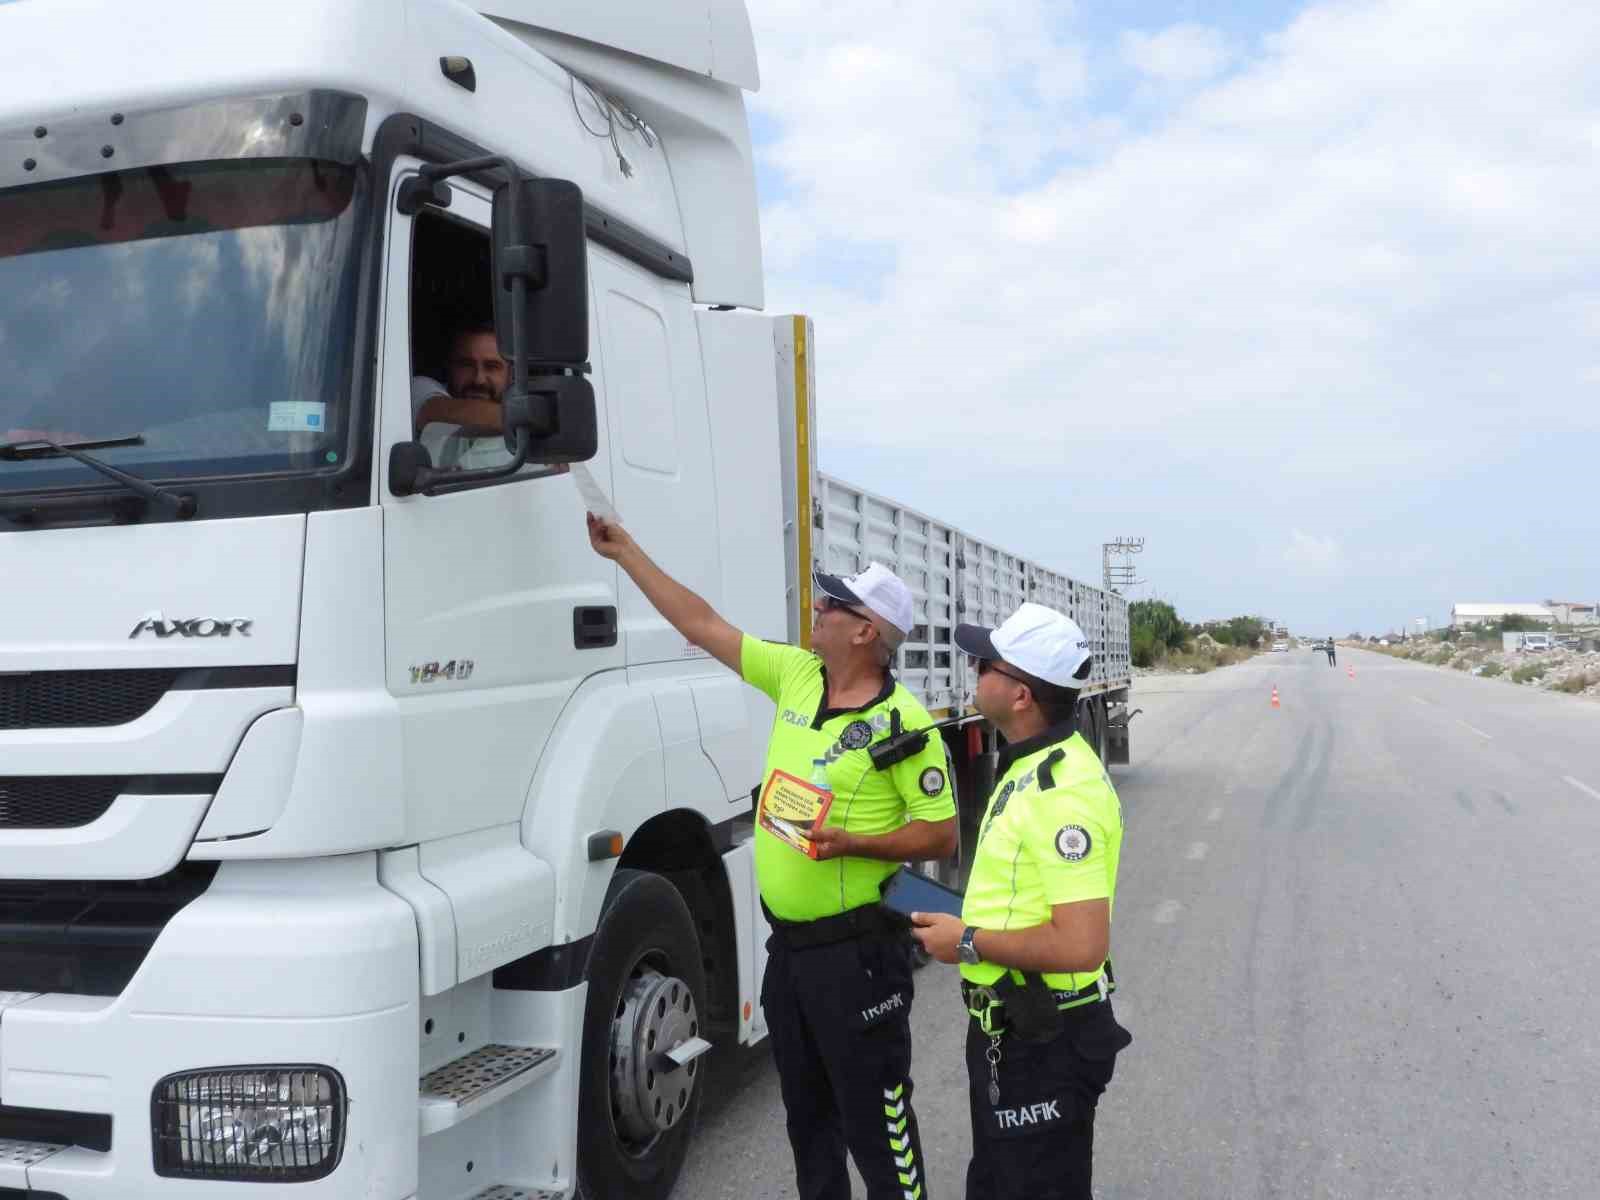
[(1117, 742)]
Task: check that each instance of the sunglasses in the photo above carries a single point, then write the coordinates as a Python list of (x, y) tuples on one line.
[(829, 604), (985, 665)]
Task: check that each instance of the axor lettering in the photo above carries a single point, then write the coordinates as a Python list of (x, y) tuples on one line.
[(191, 627)]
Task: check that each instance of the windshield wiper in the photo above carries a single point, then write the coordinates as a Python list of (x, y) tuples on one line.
[(19, 451)]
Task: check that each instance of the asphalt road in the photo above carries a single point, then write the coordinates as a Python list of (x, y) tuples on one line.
[(1356, 941)]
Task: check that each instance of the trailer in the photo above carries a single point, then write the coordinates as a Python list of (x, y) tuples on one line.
[(360, 828)]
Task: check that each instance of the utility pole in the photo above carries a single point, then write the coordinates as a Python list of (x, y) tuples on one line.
[(1117, 560)]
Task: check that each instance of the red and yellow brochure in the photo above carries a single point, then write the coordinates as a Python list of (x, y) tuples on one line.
[(792, 810)]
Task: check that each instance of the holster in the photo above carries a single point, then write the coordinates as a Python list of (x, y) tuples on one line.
[(1030, 1007)]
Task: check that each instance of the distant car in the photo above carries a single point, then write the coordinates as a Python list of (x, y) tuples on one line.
[(1280, 646)]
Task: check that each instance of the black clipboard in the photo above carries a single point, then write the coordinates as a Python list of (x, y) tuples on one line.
[(911, 891)]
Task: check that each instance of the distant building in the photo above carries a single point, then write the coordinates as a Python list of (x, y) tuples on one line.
[(1477, 614), (1572, 612)]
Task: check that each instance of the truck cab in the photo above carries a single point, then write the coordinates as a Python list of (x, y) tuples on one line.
[(339, 778)]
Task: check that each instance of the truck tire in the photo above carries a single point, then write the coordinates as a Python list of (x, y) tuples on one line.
[(647, 991), (1095, 726)]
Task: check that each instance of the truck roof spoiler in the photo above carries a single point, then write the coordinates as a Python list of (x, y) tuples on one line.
[(711, 38)]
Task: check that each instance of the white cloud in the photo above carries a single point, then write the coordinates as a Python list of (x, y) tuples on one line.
[(1376, 215), (1179, 54), (1350, 265), (1312, 555)]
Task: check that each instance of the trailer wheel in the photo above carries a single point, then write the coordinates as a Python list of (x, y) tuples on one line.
[(647, 993), (1095, 726)]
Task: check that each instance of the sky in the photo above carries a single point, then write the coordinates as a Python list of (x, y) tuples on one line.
[(1306, 295)]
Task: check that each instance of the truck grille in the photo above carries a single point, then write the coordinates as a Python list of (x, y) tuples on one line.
[(87, 938), (90, 699), (68, 801), (80, 699), (56, 801)]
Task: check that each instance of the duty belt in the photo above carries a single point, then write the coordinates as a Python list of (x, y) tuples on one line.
[(868, 920), (987, 1008)]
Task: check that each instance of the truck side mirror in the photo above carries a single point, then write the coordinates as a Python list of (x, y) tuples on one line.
[(538, 236), (559, 414)]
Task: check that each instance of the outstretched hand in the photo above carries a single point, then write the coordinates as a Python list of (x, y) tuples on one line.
[(609, 539)]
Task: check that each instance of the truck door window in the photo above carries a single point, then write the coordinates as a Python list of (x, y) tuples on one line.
[(458, 377)]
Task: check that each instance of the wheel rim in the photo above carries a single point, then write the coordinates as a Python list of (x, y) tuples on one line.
[(655, 1012)]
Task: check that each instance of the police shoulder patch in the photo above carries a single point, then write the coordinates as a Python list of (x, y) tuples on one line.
[(856, 736), (1073, 843), (932, 781)]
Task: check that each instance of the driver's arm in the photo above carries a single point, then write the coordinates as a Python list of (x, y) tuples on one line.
[(477, 418)]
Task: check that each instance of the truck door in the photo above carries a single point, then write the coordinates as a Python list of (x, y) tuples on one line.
[(495, 605)]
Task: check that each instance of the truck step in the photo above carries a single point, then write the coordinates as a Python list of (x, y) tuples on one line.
[(506, 1191), (473, 1082), (14, 1152)]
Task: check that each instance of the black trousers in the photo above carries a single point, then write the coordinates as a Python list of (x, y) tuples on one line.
[(1330, 658), (839, 1018), (1038, 1140)]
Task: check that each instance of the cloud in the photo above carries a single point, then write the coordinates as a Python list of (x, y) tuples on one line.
[(1333, 274), (1312, 555), (1179, 54), (1353, 224)]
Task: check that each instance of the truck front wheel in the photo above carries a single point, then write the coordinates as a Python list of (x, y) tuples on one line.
[(647, 995)]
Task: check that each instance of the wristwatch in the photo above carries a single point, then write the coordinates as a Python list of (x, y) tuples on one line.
[(966, 950)]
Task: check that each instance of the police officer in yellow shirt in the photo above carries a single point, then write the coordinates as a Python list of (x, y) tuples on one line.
[(837, 990), (1034, 934)]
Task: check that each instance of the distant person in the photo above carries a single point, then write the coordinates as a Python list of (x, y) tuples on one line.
[(1034, 935), (1328, 646)]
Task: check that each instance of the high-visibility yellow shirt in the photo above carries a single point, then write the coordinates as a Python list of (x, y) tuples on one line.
[(1047, 838), (865, 800)]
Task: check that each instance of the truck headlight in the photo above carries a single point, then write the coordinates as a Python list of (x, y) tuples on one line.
[(263, 1124)]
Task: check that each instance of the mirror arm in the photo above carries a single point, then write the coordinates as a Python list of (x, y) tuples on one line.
[(433, 482)]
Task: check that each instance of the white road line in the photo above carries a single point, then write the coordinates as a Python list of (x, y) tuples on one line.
[(1215, 814), (1582, 787), (1167, 912), (1197, 851), (1420, 700), (1486, 737)]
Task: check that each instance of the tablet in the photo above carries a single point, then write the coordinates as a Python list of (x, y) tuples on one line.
[(911, 891)]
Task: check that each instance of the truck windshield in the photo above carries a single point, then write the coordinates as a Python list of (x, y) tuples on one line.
[(208, 306)]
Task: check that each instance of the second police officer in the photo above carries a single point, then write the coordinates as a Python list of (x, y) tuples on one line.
[(837, 989), (1033, 938)]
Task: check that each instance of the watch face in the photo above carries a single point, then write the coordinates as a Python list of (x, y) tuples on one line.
[(966, 951)]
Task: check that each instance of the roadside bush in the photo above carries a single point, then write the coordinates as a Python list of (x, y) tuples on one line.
[(1572, 684), (1187, 661), (1161, 620), (1147, 648), (1491, 669), (1528, 673), (1439, 657), (1461, 663)]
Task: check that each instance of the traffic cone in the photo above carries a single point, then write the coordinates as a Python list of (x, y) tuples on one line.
[(1275, 703), (1352, 669)]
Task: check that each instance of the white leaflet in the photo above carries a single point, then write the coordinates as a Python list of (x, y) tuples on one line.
[(594, 499)]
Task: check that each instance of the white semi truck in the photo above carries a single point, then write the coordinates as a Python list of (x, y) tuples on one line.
[(361, 829)]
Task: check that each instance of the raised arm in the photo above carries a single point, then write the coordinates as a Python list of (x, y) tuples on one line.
[(684, 610)]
